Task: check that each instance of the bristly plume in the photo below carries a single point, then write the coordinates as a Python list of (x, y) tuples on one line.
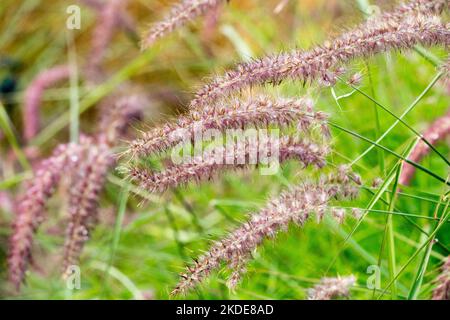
[(424, 7), (108, 22), (293, 206), (85, 165), (438, 131), (231, 114), (442, 290), (180, 14), (116, 116), (237, 156), (125, 20), (87, 183), (31, 207), (319, 63), (331, 288), (33, 97)]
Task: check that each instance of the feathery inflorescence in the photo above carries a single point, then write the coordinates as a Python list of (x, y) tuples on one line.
[(407, 25), (180, 14), (293, 206), (331, 288), (85, 164), (438, 131), (31, 206), (125, 21), (117, 113), (425, 7), (108, 22), (88, 181), (89, 177), (442, 290), (33, 97), (232, 114), (320, 62), (221, 158)]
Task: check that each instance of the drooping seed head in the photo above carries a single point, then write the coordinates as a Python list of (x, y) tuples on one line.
[(181, 13), (330, 288), (293, 206)]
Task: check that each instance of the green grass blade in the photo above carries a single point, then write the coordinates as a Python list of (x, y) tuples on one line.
[(74, 92), (414, 164), (418, 280), (390, 234), (8, 129), (400, 119), (429, 240)]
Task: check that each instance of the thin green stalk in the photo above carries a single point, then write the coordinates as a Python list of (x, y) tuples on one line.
[(377, 196), (8, 129), (407, 218), (414, 164), (377, 122), (390, 234), (123, 199), (74, 93), (396, 213), (364, 6), (400, 119), (10, 33), (441, 223), (357, 248), (407, 195), (122, 206), (189, 209), (174, 227), (14, 180), (418, 280), (119, 276), (417, 283)]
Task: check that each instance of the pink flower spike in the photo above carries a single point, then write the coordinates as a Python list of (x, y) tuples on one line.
[(438, 131), (33, 97)]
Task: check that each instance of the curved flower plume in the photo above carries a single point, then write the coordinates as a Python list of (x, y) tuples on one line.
[(88, 180), (33, 97), (425, 7), (330, 288), (31, 206), (212, 162), (293, 206), (119, 114), (125, 21), (438, 131), (442, 291), (234, 114), (85, 164), (108, 22), (180, 14), (376, 37)]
